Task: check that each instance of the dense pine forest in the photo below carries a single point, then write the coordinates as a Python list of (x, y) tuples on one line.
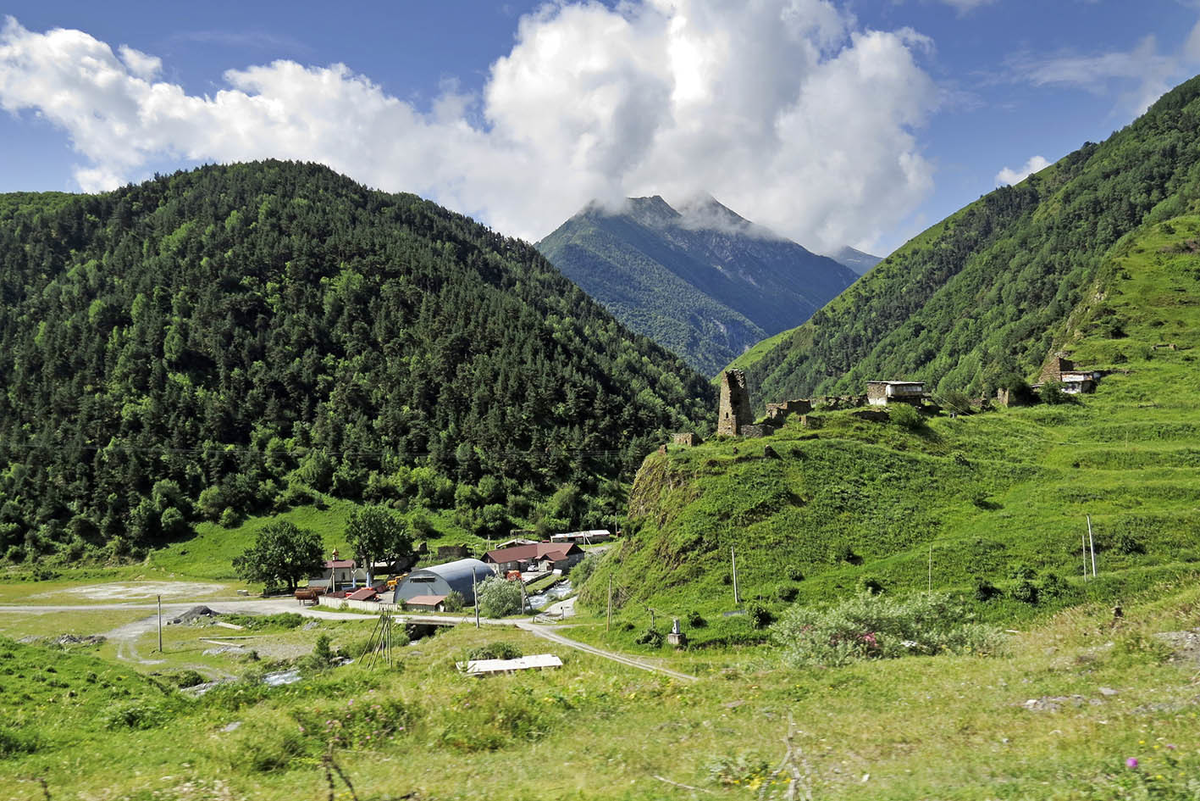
[(244, 338), (981, 297)]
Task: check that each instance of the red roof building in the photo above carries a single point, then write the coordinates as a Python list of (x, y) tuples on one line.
[(365, 594), (520, 557)]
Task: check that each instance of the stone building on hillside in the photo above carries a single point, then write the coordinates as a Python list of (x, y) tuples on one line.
[(881, 393), (778, 412), (688, 439), (1055, 367), (734, 411)]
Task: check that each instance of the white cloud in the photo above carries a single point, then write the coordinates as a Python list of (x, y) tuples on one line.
[(963, 6), (1009, 176), (1143, 73), (782, 108)]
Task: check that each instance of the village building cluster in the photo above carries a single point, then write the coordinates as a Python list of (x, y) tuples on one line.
[(735, 417), (345, 583)]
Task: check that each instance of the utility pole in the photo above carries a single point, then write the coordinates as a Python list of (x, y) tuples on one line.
[(1092, 545), (160, 650), (608, 623), (475, 593), (733, 562)]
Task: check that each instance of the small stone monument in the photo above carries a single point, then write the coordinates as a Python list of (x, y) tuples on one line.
[(677, 637)]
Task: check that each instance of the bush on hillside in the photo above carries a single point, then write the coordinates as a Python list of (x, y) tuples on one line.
[(869, 584), (1025, 591), (760, 615), (499, 598), (881, 627), (651, 637), (496, 650), (1053, 394), (696, 620), (905, 416), (986, 590)]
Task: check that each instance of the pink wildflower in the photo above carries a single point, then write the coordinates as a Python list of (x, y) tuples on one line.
[(1131, 762)]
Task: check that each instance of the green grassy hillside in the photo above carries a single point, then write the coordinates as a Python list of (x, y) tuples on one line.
[(983, 294), (1000, 496)]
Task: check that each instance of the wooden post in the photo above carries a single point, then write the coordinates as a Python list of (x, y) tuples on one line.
[(475, 593), (1083, 539), (1092, 545), (931, 568), (160, 650), (608, 622), (733, 561)]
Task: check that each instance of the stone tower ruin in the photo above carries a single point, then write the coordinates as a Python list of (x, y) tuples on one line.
[(734, 411)]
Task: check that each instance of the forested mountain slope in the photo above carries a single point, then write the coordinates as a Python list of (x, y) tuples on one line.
[(701, 281), (981, 294), (992, 504), (237, 337)]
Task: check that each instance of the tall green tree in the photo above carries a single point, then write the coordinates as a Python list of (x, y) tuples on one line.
[(282, 552), (376, 535)]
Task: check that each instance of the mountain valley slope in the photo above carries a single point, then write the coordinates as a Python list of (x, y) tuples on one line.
[(699, 280)]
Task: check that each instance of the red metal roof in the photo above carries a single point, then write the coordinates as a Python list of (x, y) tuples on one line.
[(425, 600), (521, 553), (332, 563), (365, 594)]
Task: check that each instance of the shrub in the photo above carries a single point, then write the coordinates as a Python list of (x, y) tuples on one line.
[(1128, 544), (499, 598), (1053, 585), (786, 593), (760, 615), (187, 678), (905, 416), (881, 626), (794, 573), (496, 650), (133, 715), (1052, 394), (696, 620), (986, 590), (322, 655), (455, 602), (1025, 591), (870, 584), (742, 770), (842, 552), (17, 741), (652, 637)]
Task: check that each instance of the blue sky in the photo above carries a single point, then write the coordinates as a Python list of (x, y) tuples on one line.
[(834, 123)]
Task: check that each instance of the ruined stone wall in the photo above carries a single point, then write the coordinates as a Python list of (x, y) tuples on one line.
[(778, 412), (734, 410), (688, 439)]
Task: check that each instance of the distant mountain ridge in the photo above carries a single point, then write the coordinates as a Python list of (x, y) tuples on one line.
[(856, 260), (700, 280)]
